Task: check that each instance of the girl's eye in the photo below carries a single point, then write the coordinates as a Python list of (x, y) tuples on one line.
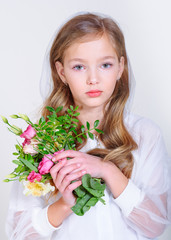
[(78, 67), (107, 65)]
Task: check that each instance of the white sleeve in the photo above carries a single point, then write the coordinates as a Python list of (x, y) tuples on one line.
[(146, 201), (27, 216)]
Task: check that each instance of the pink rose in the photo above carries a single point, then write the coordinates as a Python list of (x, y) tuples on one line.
[(46, 163), (34, 176), (29, 133)]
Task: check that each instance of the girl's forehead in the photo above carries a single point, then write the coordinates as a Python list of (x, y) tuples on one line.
[(97, 41), (92, 37)]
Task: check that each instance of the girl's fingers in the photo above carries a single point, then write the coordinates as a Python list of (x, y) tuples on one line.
[(64, 171), (72, 187), (68, 196), (65, 154), (55, 169), (69, 178)]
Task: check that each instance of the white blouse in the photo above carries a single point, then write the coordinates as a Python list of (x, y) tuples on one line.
[(142, 211)]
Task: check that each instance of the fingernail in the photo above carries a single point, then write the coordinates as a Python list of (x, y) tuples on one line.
[(83, 172), (78, 164)]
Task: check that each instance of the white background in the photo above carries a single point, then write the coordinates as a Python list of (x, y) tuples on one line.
[(26, 26)]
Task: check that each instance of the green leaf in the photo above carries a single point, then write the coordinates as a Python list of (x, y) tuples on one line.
[(86, 184), (86, 180), (50, 109), (67, 126), (42, 120), (76, 108), (69, 111), (17, 162), (39, 134), (77, 208), (96, 123), (71, 107), (84, 136), (18, 169), (90, 135), (80, 191), (62, 131), (92, 201), (74, 120), (18, 148), (15, 153), (99, 131), (76, 114), (96, 184), (71, 129), (88, 125), (28, 164), (59, 109), (82, 128), (79, 140)]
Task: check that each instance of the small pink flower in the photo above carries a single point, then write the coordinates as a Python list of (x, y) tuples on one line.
[(29, 133), (29, 146), (28, 149), (46, 163), (26, 142), (34, 176)]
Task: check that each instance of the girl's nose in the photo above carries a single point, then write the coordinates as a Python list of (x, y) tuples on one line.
[(92, 77)]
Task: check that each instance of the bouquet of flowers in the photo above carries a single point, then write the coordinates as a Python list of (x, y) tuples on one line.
[(42, 141)]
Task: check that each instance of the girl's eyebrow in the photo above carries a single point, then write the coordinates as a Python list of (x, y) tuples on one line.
[(83, 60)]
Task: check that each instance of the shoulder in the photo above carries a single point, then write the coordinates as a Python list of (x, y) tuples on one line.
[(141, 127)]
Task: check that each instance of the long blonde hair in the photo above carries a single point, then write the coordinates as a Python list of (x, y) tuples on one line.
[(117, 141)]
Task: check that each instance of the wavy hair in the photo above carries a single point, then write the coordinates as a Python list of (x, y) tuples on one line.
[(117, 140)]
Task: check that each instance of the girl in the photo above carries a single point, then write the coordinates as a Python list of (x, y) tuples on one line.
[(89, 69)]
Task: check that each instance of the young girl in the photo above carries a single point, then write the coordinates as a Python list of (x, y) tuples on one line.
[(90, 69)]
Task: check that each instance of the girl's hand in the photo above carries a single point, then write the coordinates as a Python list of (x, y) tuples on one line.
[(62, 175), (92, 164)]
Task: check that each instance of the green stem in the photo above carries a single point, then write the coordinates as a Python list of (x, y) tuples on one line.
[(83, 133), (37, 150), (40, 142)]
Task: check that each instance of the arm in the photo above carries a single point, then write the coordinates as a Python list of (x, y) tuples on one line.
[(141, 212), (145, 201)]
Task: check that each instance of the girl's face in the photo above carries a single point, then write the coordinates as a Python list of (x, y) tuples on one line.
[(91, 70)]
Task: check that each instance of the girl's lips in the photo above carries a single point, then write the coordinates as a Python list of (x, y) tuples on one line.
[(94, 93)]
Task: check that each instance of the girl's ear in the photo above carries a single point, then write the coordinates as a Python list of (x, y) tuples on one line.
[(121, 67), (60, 71)]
